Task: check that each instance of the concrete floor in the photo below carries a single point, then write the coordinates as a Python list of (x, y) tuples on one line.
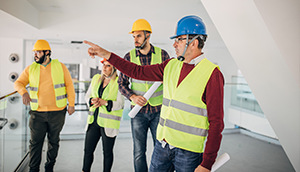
[(247, 155)]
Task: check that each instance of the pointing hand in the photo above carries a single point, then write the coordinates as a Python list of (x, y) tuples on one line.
[(96, 50)]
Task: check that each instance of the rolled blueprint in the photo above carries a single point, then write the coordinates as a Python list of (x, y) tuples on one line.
[(221, 160), (147, 95)]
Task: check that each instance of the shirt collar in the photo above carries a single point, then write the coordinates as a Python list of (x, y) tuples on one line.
[(196, 60), (137, 52), (47, 63)]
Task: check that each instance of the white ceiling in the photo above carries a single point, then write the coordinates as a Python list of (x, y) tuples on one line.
[(104, 22)]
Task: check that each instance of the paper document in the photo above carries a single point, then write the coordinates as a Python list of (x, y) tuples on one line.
[(147, 95), (221, 160)]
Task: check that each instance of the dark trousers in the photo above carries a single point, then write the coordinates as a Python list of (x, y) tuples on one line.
[(41, 123), (92, 137)]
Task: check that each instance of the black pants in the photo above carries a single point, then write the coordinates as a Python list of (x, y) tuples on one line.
[(92, 137), (41, 123)]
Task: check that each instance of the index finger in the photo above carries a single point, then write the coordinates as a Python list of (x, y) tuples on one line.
[(89, 43)]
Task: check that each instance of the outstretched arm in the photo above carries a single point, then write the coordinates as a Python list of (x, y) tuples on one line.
[(96, 50), (146, 73)]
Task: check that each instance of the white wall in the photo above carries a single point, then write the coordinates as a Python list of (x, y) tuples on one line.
[(7, 47), (252, 31), (13, 138)]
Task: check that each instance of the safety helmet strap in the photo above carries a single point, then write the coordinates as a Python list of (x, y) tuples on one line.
[(181, 58), (145, 40)]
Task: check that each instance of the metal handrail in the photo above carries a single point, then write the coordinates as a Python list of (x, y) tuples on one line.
[(23, 163), (3, 123), (8, 95)]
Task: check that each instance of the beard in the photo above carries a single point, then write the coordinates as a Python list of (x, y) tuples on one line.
[(142, 46), (40, 60)]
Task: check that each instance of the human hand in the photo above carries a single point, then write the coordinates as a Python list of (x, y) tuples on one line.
[(96, 50), (201, 169), (26, 99), (103, 102), (139, 100), (97, 102), (71, 110)]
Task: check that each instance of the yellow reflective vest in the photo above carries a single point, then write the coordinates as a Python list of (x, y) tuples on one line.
[(183, 120), (57, 75), (105, 119), (140, 87)]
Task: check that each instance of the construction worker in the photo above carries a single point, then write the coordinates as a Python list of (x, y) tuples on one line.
[(50, 86), (144, 53), (106, 108), (192, 107)]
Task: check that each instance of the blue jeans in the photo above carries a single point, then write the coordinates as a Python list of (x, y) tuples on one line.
[(139, 127), (167, 160)]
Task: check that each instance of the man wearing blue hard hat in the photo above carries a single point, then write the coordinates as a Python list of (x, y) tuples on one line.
[(192, 109)]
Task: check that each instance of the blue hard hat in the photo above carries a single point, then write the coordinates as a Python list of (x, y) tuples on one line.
[(190, 25)]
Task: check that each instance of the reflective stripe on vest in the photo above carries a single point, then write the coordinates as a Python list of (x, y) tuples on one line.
[(105, 119), (59, 85), (140, 87), (57, 75), (182, 127), (108, 116), (185, 107), (183, 119), (141, 82), (33, 88)]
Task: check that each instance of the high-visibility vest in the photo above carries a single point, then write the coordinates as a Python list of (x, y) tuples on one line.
[(57, 75), (183, 119), (105, 119), (140, 87)]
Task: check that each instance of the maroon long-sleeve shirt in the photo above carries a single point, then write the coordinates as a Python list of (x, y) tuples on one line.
[(212, 97)]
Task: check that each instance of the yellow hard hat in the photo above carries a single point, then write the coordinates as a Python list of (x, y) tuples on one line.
[(41, 45), (141, 24)]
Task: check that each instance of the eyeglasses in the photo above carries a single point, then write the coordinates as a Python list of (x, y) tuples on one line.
[(179, 39), (37, 52)]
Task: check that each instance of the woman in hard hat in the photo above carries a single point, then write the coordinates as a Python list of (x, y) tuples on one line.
[(105, 113)]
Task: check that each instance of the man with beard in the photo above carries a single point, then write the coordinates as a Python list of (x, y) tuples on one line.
[(144, 53), (50, 86)]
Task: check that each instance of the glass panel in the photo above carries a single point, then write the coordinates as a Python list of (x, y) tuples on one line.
[(242, 96), (74, 71), (14, 135)]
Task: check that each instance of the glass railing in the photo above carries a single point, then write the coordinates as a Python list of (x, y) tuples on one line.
[(14, 132), (242, 96)]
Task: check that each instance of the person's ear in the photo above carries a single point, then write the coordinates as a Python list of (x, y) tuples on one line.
[(195, 43)]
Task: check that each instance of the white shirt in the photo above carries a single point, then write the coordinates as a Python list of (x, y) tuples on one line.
[(117, 105)]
